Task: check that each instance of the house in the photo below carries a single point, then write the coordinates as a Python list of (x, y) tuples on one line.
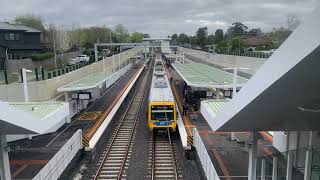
[(18, 42)]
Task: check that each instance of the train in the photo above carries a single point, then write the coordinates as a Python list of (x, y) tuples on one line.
[(162, 110)]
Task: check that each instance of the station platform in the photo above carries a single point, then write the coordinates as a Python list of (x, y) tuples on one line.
[(28, 157), (229, 158)]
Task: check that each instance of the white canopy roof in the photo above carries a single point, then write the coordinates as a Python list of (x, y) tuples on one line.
[(284, 93), (32, 117)]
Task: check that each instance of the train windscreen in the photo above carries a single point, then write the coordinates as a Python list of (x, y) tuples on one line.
[(162, 113)]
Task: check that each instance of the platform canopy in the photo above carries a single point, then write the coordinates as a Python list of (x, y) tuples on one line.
[(284, 93), (201, 75), (31, 117), (86, 83), (210, 108)]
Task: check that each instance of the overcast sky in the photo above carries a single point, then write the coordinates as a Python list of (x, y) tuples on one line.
[(161, 17)]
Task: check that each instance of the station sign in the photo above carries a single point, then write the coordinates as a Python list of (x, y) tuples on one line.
[(84, 96)]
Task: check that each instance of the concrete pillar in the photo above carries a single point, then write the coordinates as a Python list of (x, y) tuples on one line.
[(4, 159), (183, 57), (275, 168), (119, 60), (289, 165), (66, 99), (308, 163), (263, 169), (217, 93), (104, 65), (252, 169), (25, 85), (113, 68), (95, 53)]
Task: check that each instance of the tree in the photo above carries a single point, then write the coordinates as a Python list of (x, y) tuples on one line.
[(62, 41), (255, 32), (202, 35), (78, 37), (136, 37), (237, 44), (174, 37), (292, 22), (278, 35), (31, 21), (218, 36), (122, 33), (183, 39), (237, 28), (210, 39)]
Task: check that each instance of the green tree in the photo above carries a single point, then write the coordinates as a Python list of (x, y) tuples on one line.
[(238, 28), (136, 37), (255, 32), (218, 36), (183, 39), (122, 33), (211, 39), (31, 21), (174, 37), (202, 35), (237, 44)]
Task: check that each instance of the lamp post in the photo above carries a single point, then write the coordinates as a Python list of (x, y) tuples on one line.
[(25, 84), (234, 87), (54, 49)]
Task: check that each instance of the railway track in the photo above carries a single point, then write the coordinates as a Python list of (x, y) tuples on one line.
[(162, 159), (115, 159)]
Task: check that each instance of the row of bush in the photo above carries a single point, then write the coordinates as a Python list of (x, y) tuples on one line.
[(42, 56)]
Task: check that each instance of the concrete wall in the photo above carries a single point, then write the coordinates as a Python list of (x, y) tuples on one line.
[(47, 89), (225, 60), (16, 64)]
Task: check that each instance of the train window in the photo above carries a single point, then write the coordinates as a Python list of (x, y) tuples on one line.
[(162, 113)]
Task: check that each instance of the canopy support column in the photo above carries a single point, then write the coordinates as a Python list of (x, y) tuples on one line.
[(252, 169), (4, 159), (275, 168), (66, 99), (263, 168), (308, 163), (289, 165)]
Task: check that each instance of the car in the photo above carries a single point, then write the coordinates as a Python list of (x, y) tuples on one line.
[(83, 58), (73, 61)]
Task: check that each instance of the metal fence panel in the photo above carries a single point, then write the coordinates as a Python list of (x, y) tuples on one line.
[(205, 160)]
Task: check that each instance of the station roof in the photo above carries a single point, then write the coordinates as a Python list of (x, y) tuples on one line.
[(155, 39), (85, 83), (283, 95), (31, 117), (201, 75), (213, 106), (38, 110)]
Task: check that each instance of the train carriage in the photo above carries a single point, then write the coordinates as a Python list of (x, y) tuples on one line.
[(162, 112)]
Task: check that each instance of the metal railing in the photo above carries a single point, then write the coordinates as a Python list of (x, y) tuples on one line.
[(204, 157)]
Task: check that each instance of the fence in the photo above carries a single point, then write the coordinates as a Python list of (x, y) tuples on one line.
[(250, 54), (204, 157), (54, 168)]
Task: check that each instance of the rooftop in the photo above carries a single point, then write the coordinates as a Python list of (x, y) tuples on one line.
[(201, 75), (38, 110), (283, 95), (88, 82), (8, 26), (38, 117)]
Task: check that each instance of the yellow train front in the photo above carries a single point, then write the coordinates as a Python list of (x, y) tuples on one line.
[(162, 113)]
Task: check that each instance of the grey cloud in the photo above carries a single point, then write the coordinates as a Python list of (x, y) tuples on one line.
[(161, 17)]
